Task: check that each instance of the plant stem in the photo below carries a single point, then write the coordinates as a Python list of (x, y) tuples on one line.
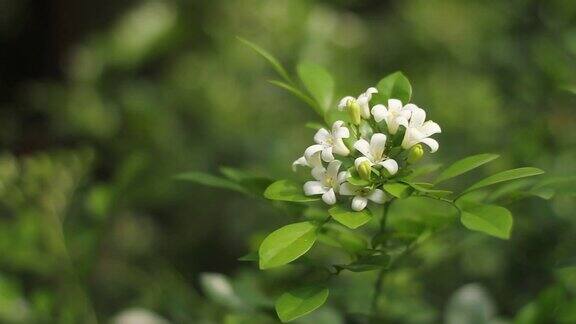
[(382, 272)]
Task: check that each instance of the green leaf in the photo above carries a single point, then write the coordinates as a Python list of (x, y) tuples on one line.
[(298, 94), (426, 188), (398, 190), (250, 257), (464, 165), (285, 190), (339, 236), (349, 218), (367, 263), (210, 181), (286, 244), (318, 82), (270, 58), (423, 170), (505, 176), (394, 86), (299, 302), (489, 219)]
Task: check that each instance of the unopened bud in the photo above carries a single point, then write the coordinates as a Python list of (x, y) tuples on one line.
[(415, 153), (355, 111), (364, 170)]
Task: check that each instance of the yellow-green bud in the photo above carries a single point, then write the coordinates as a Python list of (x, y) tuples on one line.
[(364, 170), (354, 110), (415, 153)]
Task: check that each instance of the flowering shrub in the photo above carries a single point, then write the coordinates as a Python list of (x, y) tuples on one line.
[(364, 158)]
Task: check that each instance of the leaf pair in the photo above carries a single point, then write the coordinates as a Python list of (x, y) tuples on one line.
[(317, 81)]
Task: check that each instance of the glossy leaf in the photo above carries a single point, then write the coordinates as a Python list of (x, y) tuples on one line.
[(299, 302), (397, 189), (285, 190), (339, 236), (318, 82), (396, 86), (505, 176), (270, 58), (489, 219), (349, 218), (286, 244), (464, 165)]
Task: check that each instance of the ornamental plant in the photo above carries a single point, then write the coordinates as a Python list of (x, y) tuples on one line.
[(364, 158)]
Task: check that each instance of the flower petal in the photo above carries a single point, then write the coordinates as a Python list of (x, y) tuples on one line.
[(348, 189), (327, 155), (329, 197), (361, 160), (315, 161), (301, 161), (377, 196), (322, 136), (339, 130), (379, 112), (394, 105), (311, 150), (319, 173), (359, 203), (370, 91), (430, 128), (363, 147), (314, 188), (340, 148), (418, 117), (390, 165), (344, 102), (342, 176), (333, 168), (409, 138), (377, 145), (432, 143)]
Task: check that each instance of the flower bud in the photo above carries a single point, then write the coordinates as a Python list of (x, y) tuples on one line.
[(415, 153), (364, 170), (354, 111)]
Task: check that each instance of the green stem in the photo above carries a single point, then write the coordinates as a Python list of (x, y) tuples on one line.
[(380, 278)]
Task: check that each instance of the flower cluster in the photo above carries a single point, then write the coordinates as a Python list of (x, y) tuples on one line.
[(372, 147)]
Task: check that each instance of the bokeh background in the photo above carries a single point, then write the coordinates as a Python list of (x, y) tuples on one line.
[(103, 102)]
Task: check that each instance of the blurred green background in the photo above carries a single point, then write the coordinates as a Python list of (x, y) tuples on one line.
[(103, 102)]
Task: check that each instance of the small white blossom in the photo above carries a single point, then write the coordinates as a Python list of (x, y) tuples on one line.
[(394, 115), (374, 153), (363, 101), (314, 162), (362, 195), (328, 143), (327, 182), (419, 131)]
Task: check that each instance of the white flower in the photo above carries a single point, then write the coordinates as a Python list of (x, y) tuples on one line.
[(362, 195), (328, 143), (419, 131), (327, 182), (374, 153), (363, 101), (395, 115), (313, 162)]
